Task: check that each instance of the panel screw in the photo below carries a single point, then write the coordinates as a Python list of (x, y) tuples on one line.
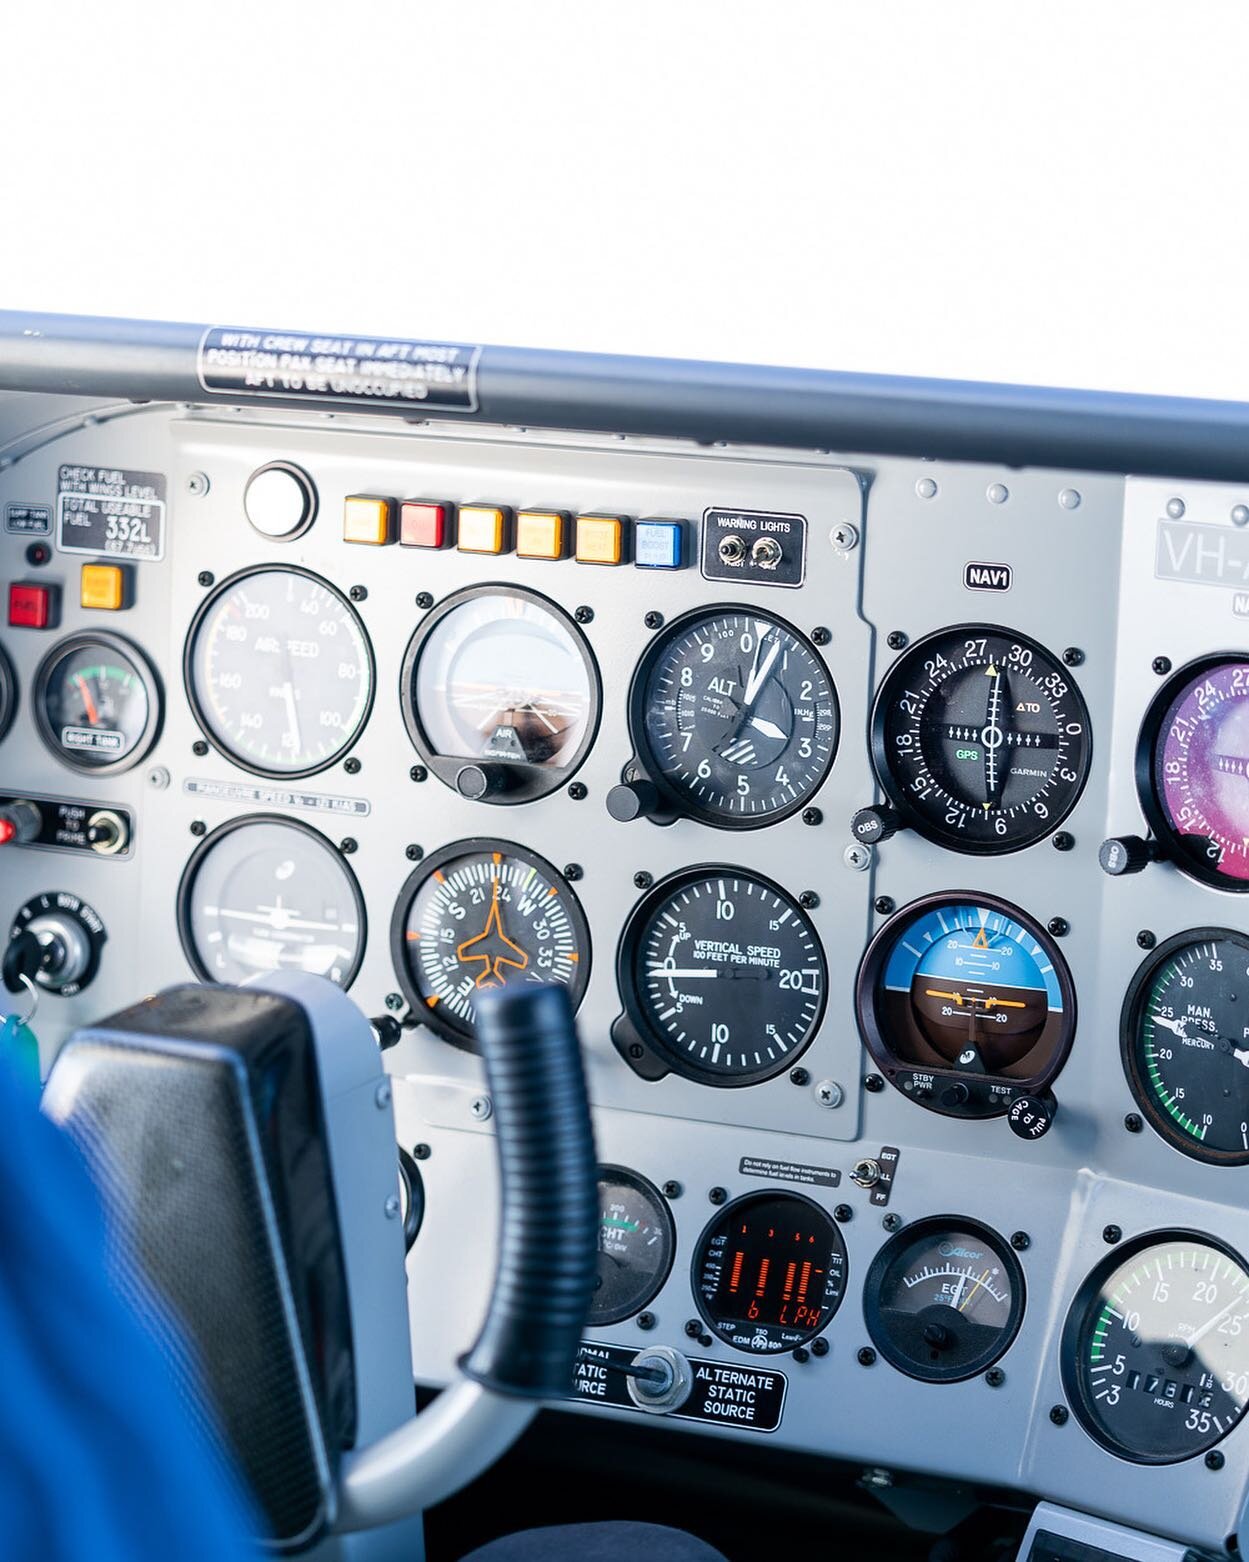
[(843, 1212), (1063, 841), (381, 1096), (637, 1052), (1073, 656), (892, 1221), (926, 488), (418, 773), (351, 766), (873, 1084), (857, 856), (642, 879), (672, 1189), (394, 1002), (1020, 1241), (414, 853), (584, 615), (1069, 498), (421, 1152), (1161, 665), (646, 1320), (1214, 1460), (819, 1347), (693, 1328), (347, 845), (654, 621), (1059, 926), (1240, 515), (866, 1356), (829, 1093), (199, 748), (424, 599), (1175, 508), (808, 900), (481, 1108), (884, 905), (799, 1077), (158, 778), (197, 485), (391, 1207), (997, 493), (1059, 1415), (573, 871), (820, 635), (578, 791), (205, 578), (358, 593), (897, 640), (844, 536), (1133, 1122), (717, 1195), (812, 816), (1112, 1234), (801, 1355), (1146, 939), (198, 827)]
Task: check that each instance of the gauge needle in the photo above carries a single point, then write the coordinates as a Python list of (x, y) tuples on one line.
[(1241, 1054), (974, 1289), (1210, 1323), (292, 715), (993, 738), (668, 970), (768, 728), (759, 674), (93, 715), (275, 917), (1172, 1025)]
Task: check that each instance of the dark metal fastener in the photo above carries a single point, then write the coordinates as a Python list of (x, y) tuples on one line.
[(693, 1328), (421, 1152), (198, 827), (819, 1347), (642, 879), (705, 1341), (573, 871), (418, 773), (654, 621), (1063, 841), (1133, 1122), (637, 1051), (1161, 665), (884, 905), (672, 1190), (584, 615), (892, 1221), (866, 1356), (347, 845), (1059, 926), (424, 599), (1073, 656), (646, 1320), (1112, 1234), (1146, 939), (352, 766), (414, 853), (394, 1001), (717, 1195), (1020, 1241), (995, 1377), (799, 1077), (199, 748), (843, 1212), (205, 578), (358, 593), (812, 816), (1059, 1415), (897, 641), (874, 1083), (820, 635), (578, 791), (801, 1354), (1214, 1460), (808, 900)]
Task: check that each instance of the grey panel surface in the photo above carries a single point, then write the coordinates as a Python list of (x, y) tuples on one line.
[(1083, 575)]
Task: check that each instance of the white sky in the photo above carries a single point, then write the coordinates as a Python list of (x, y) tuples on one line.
[(1052, 192)]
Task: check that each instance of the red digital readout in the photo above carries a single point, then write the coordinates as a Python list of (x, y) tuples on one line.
[(771, 1275)]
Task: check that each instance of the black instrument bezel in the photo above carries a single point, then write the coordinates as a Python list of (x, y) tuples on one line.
[(611, 1172), (8, 694), (118, 645)]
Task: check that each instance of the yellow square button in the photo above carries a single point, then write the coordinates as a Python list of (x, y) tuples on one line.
[(482, 529), (368, 519), (540, 534), (600, 539), (103, 586)]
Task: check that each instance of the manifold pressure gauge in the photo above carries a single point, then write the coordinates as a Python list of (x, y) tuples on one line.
[(723, 979), (980, 739), (734, 722), (965, 1004), (478, 915), (500, 694)]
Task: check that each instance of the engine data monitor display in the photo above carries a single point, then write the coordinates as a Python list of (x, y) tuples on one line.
[(770, 1272)]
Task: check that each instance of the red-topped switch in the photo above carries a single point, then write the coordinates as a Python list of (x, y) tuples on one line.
[(423, 524), (32, 607)]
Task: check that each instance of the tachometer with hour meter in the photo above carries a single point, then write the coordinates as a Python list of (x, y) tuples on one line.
[(980, 740), (733, 717), (965, 1004), (1156, 1347), (722, 976), (478, 915)]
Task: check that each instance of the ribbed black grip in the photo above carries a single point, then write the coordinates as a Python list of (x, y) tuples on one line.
[(549, 1217)]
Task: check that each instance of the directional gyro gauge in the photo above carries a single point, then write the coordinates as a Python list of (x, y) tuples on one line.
[(478, 915), (980, 739), (965, 1004), (734, 722), (500, 694)]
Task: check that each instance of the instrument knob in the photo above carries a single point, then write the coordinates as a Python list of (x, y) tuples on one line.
[(633, 800), (1126, 854), (1032, 1117), (478, 782), (875, 824)]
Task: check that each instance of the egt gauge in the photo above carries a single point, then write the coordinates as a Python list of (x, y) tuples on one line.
[(500, 694), (478, 915), (1185, 1039), (965, 1004), (980, 739)]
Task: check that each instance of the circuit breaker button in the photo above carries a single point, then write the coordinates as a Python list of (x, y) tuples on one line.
[(423, 524), (32, 607)]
